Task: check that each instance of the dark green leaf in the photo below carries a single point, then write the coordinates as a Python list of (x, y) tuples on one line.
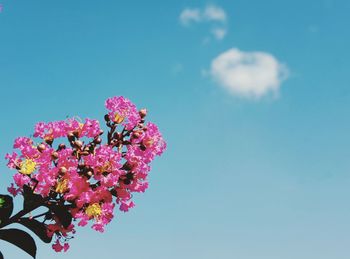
[(20, 239), (63, 214), (31, 199), (37, 227), (1, 256), (6, 207)]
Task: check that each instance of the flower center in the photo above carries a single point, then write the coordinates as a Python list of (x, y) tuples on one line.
[(118, 118), (107, 167), (28, 166), (148, 142), (93, 210), (62, 186)]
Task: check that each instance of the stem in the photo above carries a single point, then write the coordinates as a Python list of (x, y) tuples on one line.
[(16, 217), (42, 214)]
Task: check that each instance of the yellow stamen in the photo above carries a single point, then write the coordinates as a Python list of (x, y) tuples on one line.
[(107, 167), (28, 166), (62, 186), (148, 142), (118, 118), (93, 210)]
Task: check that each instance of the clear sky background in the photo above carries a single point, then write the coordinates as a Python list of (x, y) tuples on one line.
[(243, 177)]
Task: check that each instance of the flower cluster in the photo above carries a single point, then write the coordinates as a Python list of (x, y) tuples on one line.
[(68, 165)]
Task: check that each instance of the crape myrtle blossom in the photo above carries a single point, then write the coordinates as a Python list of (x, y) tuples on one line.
[(121, 110), (80, 179)]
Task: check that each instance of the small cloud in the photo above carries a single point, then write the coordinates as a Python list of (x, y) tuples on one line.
[(219, 33), (190, 15), (248, 74), (210, 14), (214, 13)]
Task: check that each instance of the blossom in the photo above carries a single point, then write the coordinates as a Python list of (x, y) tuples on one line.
[(58, 129), (91, 128), (13, 190), (125, 206), (68, 165), (28, 166), (12, 160), (122, 111), (59, 248), (93, 210), (21, 179)]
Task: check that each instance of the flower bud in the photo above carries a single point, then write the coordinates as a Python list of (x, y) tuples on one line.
[(97, 140), (54, 155), (76, 133), (61, 146), (143, 113), (41, 147), (85, 153), (107, 118), (136, 134), (117, 135), (142, 147), (70, 136), (78, 143), (48, 140), (63, 170)]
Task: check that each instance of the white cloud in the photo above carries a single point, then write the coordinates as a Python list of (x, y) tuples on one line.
[(214, 13), (190, 15), (219, 33), (248, 74), (210, 14)]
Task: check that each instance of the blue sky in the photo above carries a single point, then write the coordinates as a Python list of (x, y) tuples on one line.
[(244, 176)]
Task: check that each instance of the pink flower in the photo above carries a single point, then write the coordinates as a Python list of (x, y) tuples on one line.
[(125, 206), (66, 159), (50, 130), (91, 128), (77, 185), (122, 111), (12, 160), (59, 248), (106, 165), (84, 219), (80, 172), (13, 190), (21, 179)]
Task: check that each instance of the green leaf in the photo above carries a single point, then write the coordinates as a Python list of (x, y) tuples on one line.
[(37, 227), (6, 207), (20, 239), (31, 199)]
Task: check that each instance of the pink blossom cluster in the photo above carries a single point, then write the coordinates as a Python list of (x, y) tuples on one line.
[(68, 163)]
